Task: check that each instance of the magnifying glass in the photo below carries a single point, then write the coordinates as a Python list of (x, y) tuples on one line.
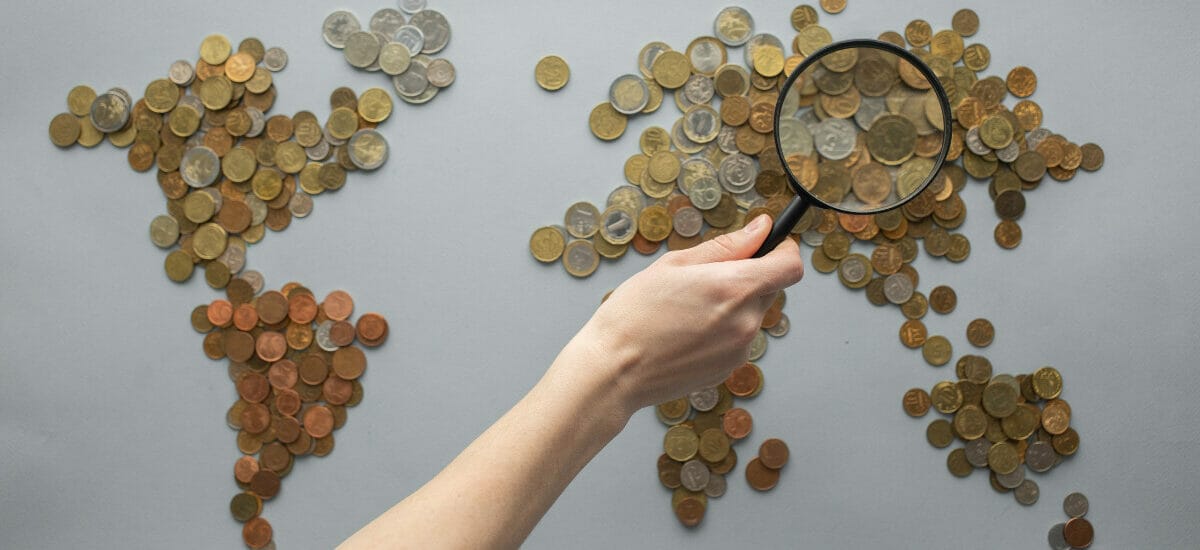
[(868, 96)]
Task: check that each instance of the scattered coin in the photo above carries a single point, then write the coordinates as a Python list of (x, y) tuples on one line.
[(552, 73), (395, 47), (1075, 505)]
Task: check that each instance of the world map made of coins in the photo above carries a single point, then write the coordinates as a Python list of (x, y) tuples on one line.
[(717, 168), (229, 172)]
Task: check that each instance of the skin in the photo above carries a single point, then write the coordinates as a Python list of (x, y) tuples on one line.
[(625, 358)]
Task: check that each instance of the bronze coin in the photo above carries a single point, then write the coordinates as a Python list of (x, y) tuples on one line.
[(245, 317), (349, 363), (313, 369), (272, 307), (916, 402), (913, 333), (239, 346), (265, 484), (302, 308), (668, 471), (275, 456), (245, 468), (253, 387), (270, 346), (943, 299), (337, 391), (372, 329), (220, 313), (760, 477), (287, 401), (257, 533), (287, 429), (338, 305), (341, 333), (690, 511), (283, 374), (737, 423), (256, 418), (318, 421), (743, 380), (773, 453), (980, 333), (1078, 532)]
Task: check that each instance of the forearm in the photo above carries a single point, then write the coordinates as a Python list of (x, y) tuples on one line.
[(494, 493)]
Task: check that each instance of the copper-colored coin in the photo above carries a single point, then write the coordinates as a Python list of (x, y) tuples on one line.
[(773, 453), (943, 299), (283, 374), (287, 428), (737, 423), (272, 307), (256, 418), (916, 402), (214, 345), (313, 369), (372, 329), (220, 313), (275, 457), (1056, 416), (1021, 81), (349, 363), (270, 346), (338, 305), (980, 333), (760, 477), (1078, 532), (318, 421), (257, 533), (337, 391), (743, 380), (245, 468), (913, 333), (287, 401), (239, 346), (302, 308), (265, 483), (690, 511), (341, 333), (253, 387), (1007, 234), (245, 317)]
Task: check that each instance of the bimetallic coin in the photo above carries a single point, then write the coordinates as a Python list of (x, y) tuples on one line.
[(435, 29), (582, 220), (368, 149), (338, 26), (618, 225), (581, 260), (110, 111), (200, 166), (702, 124), (705, 193), (733, 26), (628, 94), (737, 173), (898, 288)]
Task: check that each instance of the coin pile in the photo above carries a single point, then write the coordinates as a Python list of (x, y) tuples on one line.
[(1075, 532), (396, 47), (998, 420), (296, 368), (762, 473), (228, 171)]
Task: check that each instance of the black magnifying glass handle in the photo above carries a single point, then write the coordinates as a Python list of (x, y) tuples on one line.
[(784, 224)]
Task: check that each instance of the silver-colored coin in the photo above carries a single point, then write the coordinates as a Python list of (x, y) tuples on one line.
[(758, 346), (258, 121), (627, 196), (681, 100), (705, 193), (701, 124), (733, 26), (706, 57), (757, 41), (853, 269), (394, 58), (692, 170), (435, 28), (682, 142), (412, 38), (582, 220), (628, 94), (1056, 539), (318, 152), (812, 237), (384, 39), (412, 82), (387, 21), (737, 173), (368, 149), (781, 328), (727, 139), (440, 72), (422, 98), (694, 475), (650, 53), (361, 49), (897, 288), (200, 166), (275, 59), (977, 450), (1075, 505), (234, 258), (618, 225), (110, 111), (301, 205), (181, 73), (974, 143), (258, 209), (123, 94), (1027, 492), (338, 26), (748, 199), (704, 400), (1009, 152), (716, 486), (869, 109), (581, 257), (810, 119), (1013, 479), (164, 231), (412, 6), (687, 221), (1039, 456), (254, 278), (333, 141), (1035, 137), (794, 137), (321, 335), (834, 138), (698, 89)]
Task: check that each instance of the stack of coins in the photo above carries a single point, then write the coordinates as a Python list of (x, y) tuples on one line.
[(397, 47), (228, 171), (296, 368), (762, 473), (998, 420), (1076, 532)]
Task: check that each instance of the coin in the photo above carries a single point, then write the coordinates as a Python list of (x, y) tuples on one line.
[(980, 333), (1075, 505), (733, 26), (628, 94), (606, 122), (760, 477), (936, 350), (552, 73), (1078, 532)]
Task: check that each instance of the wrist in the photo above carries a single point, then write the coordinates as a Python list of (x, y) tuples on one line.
[(590, 374)]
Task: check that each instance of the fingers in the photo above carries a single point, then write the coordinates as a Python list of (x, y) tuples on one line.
[(779, 269), (731, 246)]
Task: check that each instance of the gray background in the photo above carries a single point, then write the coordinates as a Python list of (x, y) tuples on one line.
[(112, 420)]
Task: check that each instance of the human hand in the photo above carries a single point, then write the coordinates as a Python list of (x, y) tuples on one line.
[(686, 321)]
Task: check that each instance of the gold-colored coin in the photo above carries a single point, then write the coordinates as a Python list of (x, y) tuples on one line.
[(178, 266), (812, 38), (999, 399), (681, 443), (918, 33), (290, 157), (267, 184), (957, 463), (937, 350), (374, 105), (65, 129), (1021, 81), (663, 167), (552, 73), (209, 241), (654, 140), (714, 445), (671, 69), (946, 397), (976, 57), (965, 22), (342, 123), (768, 61), (1003, 458), (79, 100), (970, 422), (803, 16), (939, 433), (606, 123), (547, 244), (833, 6), (654, 223), (215, 49), (216, 92), (1047, 383)]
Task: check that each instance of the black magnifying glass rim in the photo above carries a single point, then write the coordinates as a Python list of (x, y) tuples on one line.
[(902, 53)]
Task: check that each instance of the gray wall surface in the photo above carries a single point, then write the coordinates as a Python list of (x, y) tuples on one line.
[(112, 420)]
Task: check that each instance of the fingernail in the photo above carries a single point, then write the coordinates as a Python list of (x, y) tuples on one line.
[(755, 224)]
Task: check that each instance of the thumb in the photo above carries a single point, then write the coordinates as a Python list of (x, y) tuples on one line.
[(737, 245)]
